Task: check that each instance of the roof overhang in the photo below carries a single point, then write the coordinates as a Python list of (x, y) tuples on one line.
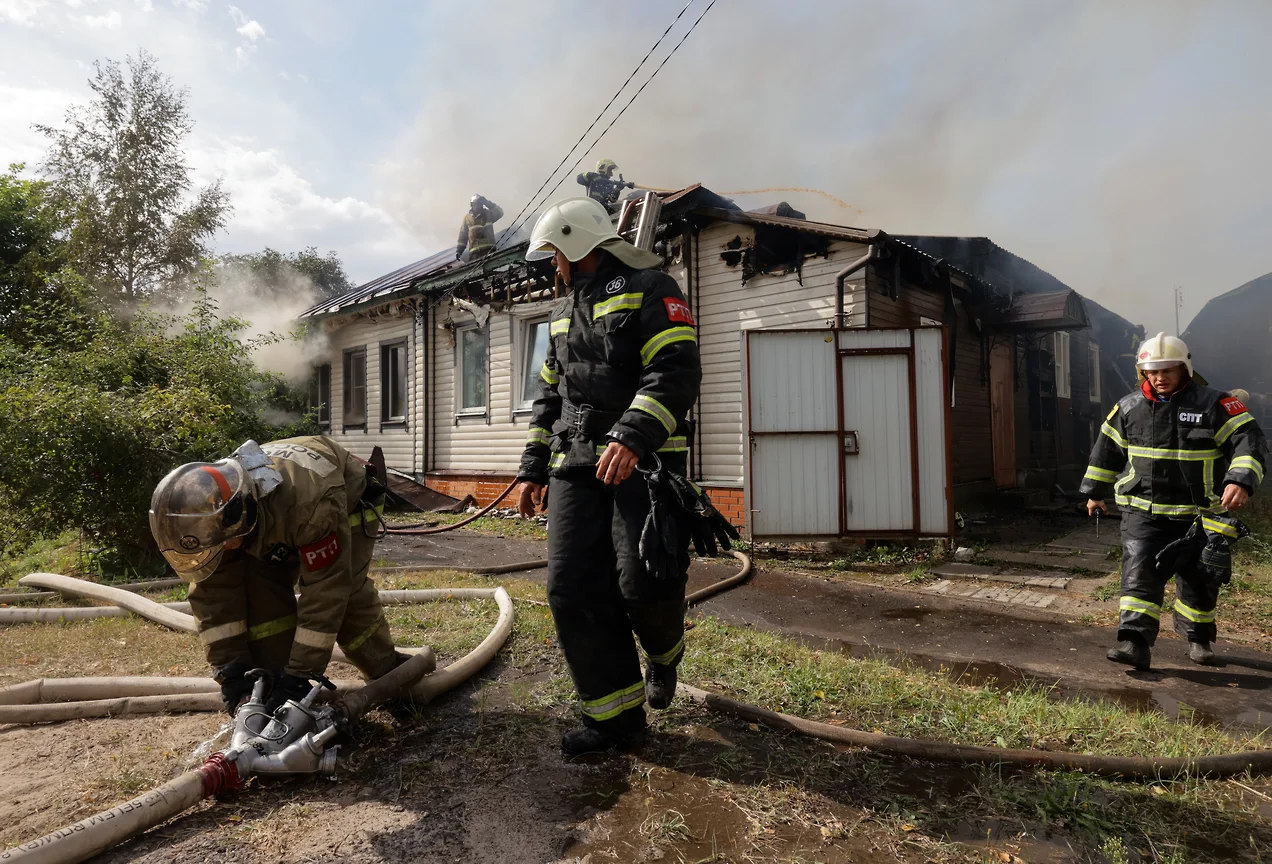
[(1055, 310)]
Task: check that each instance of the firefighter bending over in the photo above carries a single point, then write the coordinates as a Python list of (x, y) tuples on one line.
[(621, 374), (1195, 455), (477, 231), (245, 530)]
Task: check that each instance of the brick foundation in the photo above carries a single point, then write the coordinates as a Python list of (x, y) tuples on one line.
[(730, 501)]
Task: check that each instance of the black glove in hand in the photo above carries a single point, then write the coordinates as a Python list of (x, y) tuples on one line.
[(287, 687), (1216, 561), (659, 536), (709, 529), (1177, 556), (234, 687)]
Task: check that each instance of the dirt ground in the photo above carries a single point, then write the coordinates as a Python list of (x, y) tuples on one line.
[(478, 777)]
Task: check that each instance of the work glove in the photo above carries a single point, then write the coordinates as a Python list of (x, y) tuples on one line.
[(1182, 554), (1216, 555), (235, 687), (708, 528), (459, 252), (287, 686), (659, 537)]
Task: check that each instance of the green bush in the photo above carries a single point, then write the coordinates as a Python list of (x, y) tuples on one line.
[(94, 415)]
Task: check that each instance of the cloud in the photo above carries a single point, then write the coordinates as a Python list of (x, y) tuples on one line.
[(110, 21), (275, 206), (22, 12), (193, 5), (251, 30), (20, 107)]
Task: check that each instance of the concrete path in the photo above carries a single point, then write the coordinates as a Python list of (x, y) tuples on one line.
[(965, 637)]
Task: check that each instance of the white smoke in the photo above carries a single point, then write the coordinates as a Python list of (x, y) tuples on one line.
[(1102, 141)]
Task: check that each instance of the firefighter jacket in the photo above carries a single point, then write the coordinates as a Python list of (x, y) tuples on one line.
[(1181, 452), (622, 365), (303, 527), (477, 231)]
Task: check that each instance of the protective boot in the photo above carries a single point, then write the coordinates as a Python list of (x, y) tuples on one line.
[(589, 739), (1200, 653), (1132, 653), (660, 685)]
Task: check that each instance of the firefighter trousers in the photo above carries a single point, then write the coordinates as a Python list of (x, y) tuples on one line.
[(1144, 585), (271, 614), (599, 595)]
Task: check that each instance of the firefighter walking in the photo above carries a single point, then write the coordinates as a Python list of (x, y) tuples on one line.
[(1194, 456), (621, 374), (246, 530)]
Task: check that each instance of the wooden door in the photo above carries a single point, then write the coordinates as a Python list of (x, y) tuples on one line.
[(1002, 406)]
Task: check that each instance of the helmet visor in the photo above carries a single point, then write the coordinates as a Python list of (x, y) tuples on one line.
[(194, 566), (1151, 365), (541, 251)]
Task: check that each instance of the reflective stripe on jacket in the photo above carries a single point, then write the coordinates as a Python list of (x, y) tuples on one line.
[(1180, 453)]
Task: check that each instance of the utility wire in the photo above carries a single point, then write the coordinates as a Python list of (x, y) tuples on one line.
[(598, 138), (589, 129)]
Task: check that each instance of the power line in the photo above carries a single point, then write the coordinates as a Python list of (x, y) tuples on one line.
[(598, 138), (592, 126)]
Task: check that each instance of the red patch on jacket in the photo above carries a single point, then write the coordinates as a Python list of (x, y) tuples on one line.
[(678, 310), (321, 554), (1233, 405)]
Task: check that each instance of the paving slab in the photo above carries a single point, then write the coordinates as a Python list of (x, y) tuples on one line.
[(983, 573), (1059, 560)]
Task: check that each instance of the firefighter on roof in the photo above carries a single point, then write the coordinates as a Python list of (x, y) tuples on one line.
[(601, 185), (1191, 455), (246, 530), (621, 374), (477, 231)]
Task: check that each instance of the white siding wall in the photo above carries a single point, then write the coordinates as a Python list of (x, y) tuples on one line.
[(398, 442), (492, 442), (725, 307)]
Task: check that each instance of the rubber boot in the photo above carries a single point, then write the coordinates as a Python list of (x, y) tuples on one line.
[(1201, 654), (589, 739), (660, 685), (1131, 652)]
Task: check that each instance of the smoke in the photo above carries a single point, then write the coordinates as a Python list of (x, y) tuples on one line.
[(1119, 146), (269, 307)]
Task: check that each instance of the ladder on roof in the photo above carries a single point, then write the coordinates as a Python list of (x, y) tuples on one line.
[(638, 220)]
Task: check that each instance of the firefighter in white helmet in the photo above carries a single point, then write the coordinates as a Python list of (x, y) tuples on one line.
[(1194, 455), (246, 530), (621, 373)]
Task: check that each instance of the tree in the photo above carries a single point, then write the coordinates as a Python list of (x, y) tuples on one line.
[(120, 176), (31, 249), (277, 272)]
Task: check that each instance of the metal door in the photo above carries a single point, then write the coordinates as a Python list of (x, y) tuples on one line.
[(1002, 406), (847, 433)]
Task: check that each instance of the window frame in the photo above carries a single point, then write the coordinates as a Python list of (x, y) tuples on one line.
[(522, 365), (320, 394), (1095, 389), (387, 349), (460, 410), (1063, 366), (347, 388)]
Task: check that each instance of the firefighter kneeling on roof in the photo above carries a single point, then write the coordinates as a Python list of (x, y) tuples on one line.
[(1194, 456), (244, 530), (609, 427)]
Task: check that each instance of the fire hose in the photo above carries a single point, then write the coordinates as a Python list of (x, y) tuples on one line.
[(420, 528)]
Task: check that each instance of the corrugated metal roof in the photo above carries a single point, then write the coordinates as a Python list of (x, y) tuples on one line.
[(401, 280)]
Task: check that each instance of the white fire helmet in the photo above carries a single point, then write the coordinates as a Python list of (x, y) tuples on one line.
[(1163, 352), (576, 226), (196, 509)]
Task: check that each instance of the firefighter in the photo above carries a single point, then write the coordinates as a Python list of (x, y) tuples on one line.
[(601, 185), (245, 530), (1194, 454), (621, 374), (477, 231)]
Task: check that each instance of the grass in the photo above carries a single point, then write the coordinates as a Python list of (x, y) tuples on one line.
[(508, 526), (787, 788), (51, 555)]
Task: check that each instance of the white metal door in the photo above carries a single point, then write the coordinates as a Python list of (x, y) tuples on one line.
[(847, 433), (792, 484)]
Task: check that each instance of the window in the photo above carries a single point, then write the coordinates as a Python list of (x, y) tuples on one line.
[(1063, 382), (320, 394), (471, 371), (1093, 371), (393, 383), (534, 350), (355, 388)]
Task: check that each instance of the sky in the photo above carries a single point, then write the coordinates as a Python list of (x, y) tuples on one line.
[(1120, 146)]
